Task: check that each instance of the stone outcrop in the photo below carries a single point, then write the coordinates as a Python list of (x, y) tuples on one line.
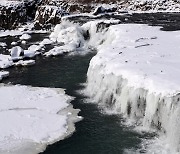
[(50, 13), (11, 14), (151, 5), (14, 12)]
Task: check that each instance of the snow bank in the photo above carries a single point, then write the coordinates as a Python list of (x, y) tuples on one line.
[(136, 73), (33, 118)]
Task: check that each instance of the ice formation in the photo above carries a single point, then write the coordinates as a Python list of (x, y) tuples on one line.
[(136, 73), (32, 118), (70, 36), (75, 38)]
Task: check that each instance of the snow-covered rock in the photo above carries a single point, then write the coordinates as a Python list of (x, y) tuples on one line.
[(12, 13), (2, 44), (16, 53), (70, 36), (46, 42), (5, 61), (25, 63), (14, 43), (25, 37), (3, 74), (33, 117), (60, 50), (151, 5), (49, 14), (105, 9)]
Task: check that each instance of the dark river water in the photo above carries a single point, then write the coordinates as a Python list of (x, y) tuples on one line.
[(97, 133)]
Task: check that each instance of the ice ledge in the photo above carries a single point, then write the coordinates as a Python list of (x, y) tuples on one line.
[(143, 55), (136, 74)]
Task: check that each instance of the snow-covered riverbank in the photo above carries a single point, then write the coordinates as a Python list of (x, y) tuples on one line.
[(33, 118)]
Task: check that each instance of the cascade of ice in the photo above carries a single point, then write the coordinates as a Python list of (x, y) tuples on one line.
[(141, 105), (150, 110)]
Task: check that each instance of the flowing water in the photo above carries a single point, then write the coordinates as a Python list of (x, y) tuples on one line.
[(97, 133)]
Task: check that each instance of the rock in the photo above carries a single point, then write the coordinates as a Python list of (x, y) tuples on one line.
[(15, 12), (11, 14), (105, 9), (50, 14), (16, 53)]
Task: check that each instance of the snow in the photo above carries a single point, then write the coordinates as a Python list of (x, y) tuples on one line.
[(136, 74), (151, 6), (46, 42), (14, 43), (5, 61), (23, 42), (3, 74), (59, 50), (25, 37), (25, 62), (73, 38), (68, 33), (29, 53), (10, 2), (16, 53), (10, 33), (2, 44), (32, 115), (143, 55)]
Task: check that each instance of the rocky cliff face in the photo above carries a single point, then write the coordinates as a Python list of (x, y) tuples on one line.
[(14, 12), (48, 12)]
